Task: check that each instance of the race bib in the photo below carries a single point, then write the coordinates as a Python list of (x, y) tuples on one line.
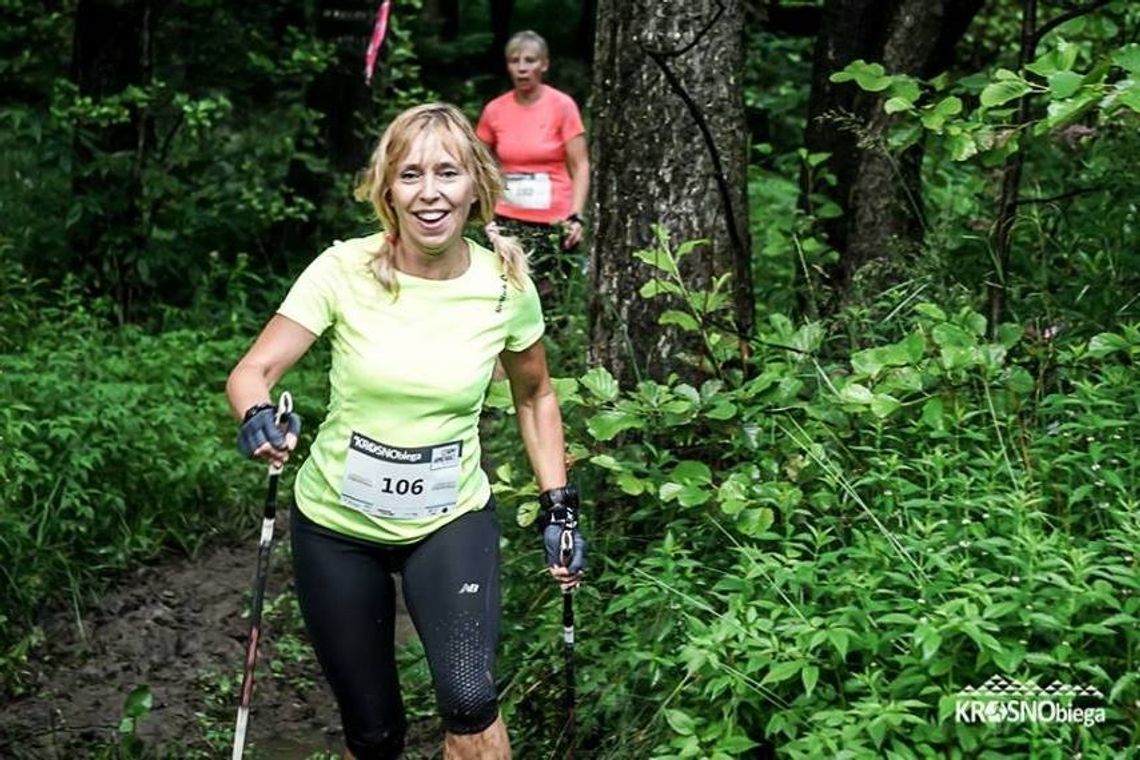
[(404, 484), (528, 190)]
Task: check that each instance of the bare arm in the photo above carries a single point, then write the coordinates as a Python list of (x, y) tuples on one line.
[(578, 166), (539, 418), (281, 343)]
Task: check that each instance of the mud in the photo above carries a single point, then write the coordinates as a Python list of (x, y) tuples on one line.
[(178, 629)]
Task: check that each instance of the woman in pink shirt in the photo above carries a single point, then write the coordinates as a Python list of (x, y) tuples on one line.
[(536, 133)]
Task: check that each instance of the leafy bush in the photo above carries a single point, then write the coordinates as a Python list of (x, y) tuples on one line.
[(821, 554), (116, 444)]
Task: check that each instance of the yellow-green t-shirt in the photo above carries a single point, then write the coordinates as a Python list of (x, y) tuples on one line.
[(408, 378)]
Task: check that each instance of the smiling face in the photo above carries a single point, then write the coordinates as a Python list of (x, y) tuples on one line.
[(526, 63), (431, 193)]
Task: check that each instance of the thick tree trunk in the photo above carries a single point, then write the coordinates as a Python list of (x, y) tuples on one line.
[(669, 147), (110, 52), (879, 193)]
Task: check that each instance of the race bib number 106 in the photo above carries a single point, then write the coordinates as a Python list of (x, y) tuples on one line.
[(401, 483)]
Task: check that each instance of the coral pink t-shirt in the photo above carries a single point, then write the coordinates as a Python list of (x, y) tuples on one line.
[(530, 143)]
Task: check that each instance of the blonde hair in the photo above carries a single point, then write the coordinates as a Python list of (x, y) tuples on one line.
[(458, 138), (527, 37)]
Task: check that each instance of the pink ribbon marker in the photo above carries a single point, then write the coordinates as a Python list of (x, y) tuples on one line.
[(379, 30)]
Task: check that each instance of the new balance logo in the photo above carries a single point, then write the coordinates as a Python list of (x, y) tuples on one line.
[(469, 588)]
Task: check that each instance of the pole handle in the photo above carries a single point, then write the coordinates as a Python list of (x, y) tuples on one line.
[(284, 409)]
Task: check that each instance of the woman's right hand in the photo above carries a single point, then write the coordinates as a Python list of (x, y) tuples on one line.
[(260, 437)]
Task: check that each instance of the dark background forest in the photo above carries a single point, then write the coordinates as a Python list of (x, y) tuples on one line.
[(849, 370)]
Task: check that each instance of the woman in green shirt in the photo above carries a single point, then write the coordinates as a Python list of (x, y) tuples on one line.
[(417, 316)]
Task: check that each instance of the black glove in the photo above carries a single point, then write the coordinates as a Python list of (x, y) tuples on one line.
[(558, 523), (260, 426)]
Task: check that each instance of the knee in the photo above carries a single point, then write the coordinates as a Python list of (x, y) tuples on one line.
[(470, 708), (377, 744)]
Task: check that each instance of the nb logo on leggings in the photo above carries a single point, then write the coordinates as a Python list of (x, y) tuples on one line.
[(469, 588)]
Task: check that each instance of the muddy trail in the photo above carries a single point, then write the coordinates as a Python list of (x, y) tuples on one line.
[(179, 629)]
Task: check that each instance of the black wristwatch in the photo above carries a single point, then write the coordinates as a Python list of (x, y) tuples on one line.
[(574, 218)]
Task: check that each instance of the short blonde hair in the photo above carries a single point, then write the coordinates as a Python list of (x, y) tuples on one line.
[(454, 131), (524, 38)]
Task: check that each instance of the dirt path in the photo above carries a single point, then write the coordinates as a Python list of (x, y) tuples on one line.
[(177, 629)]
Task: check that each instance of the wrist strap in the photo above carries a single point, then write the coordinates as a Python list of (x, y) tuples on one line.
[(559, 507), (253, 410), (574, 218)]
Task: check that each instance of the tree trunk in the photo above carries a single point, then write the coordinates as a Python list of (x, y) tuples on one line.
[(501, 13), (879, 193), (340, 92), (669, 147), (110, 52)]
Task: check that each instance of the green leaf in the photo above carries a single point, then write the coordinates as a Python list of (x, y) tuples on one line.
[(952, 335), (1128, 58), (669, 491), (690, 471), (929, 639), (867, 362), (959, 357), (601, 383), (526, 514), (839, 638), (1062, 112), (931, 311), (905, 87), (1106, 343), (854, 393), (607, 425), (882, 405), (1129, 96), (682, 319), (1009, 333), (782, 672), (689, 246), (630, 485), (722, 410), (138, 703), (934, 118), (657, 286), (680, 722), (810, 677), (1004, 91), (869, 76), (607, 462), (755, 521), (961, 146), (692, 495), (1063, 84), (897, 105), (659, 258)]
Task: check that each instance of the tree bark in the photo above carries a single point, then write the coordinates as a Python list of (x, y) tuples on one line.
[(110, 53), (879, 193), (669, 147)]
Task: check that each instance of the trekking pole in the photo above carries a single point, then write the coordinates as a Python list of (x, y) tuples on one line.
[(260, 579), (567, 546)]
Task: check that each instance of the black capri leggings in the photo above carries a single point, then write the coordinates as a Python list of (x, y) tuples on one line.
[(348, 600)]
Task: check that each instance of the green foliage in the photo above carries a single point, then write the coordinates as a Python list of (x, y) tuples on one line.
[(821, 553), (117, 445)]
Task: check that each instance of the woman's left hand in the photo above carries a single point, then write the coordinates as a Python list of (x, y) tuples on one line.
[(572, 229)]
